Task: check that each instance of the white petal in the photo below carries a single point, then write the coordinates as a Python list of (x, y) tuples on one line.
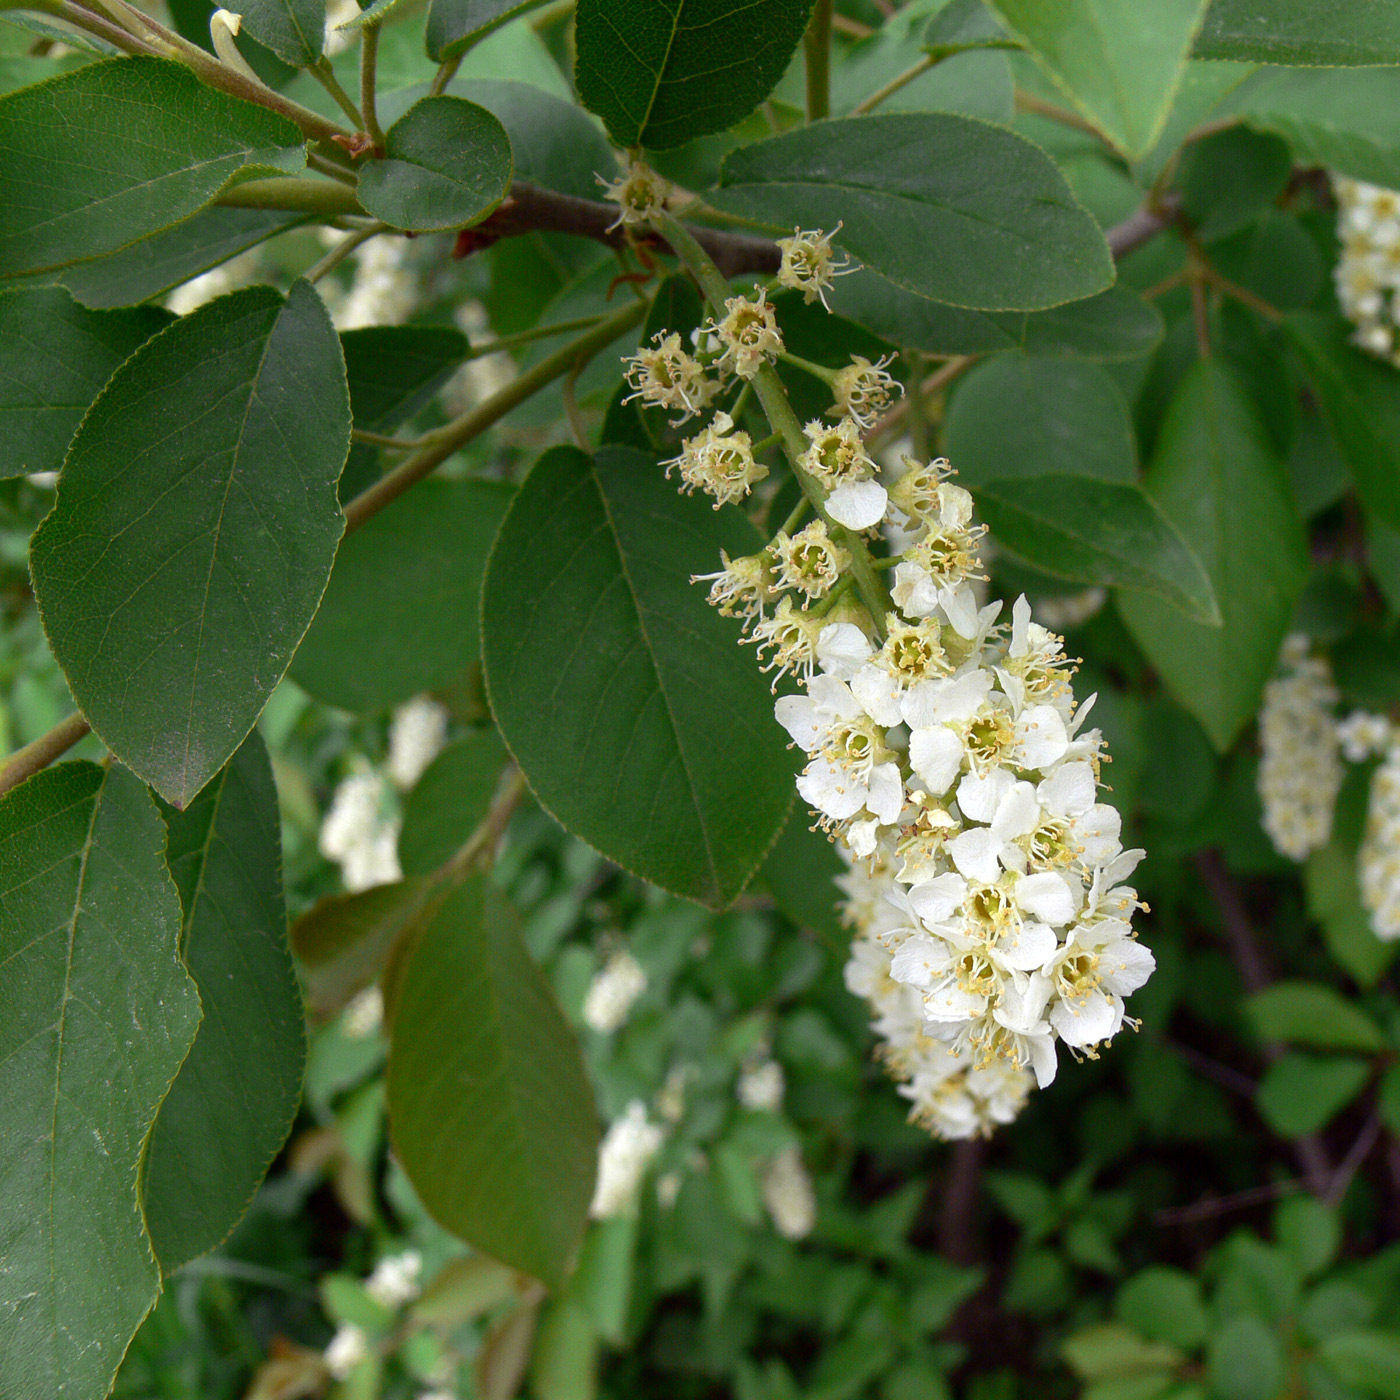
[(861, 837), (1018, 813), (878, 693), (978, 796), (919, 960), (1020, 625), (841, 648), (975, 854), (1043, 736), (1029, 947), (1069, 791), (959, 605), (830, 790), (1126, 966), (1021, 1008), (914, 592), (1045, 896), (1043, 1061), (950, 1002), (944, 701), (1099, 832), (886, 796), (858, 504), (798, 715), (1087, 1020), (936, 755), (936, 899), (834, 696)]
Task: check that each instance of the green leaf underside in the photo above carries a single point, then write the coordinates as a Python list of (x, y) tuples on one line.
[(662, 72), (96, 1014), (490, 1110), (637, 720), (1219, 480), (406, 590), (55, 356), (194, 529), (953, 208), (455, 25), (1325, 33), (449, 801), (345, 940), (295, 30), (1091, 531), (168, 144), (1117, 61), (1312, 1014), (232, 1104), (154, 265), (1024, 415), (447, 164)]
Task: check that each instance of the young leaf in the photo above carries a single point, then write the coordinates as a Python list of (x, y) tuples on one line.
[(661, 74), (295, 30), (96, 1014), (194, 530), (638, 721), (1219, 480), (1309, 33), (54, 358), (449, 801), (490, 1110), (1118, 64), (1026, 415), (454, 26), (168, 144), (1106, 532), (447, 164), (406, 591), (1301, 1093), (232, 1104), (1312, 1014), (945, 206)]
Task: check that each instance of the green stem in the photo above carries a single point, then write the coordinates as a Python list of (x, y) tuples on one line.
[(323, 166), (509, 342), (438, 446), (795, 516), (893, 86), (741, 400), (341, 251), (444, 75), (326, 197), (839, 589), (324, 74), (369, 59), (763, 444), (817, 52), (783, 421), (822, 372)]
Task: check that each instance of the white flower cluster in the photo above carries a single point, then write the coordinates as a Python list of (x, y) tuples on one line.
[(788, 1194), (614, 988), (1379, 863), (384, 288), (761, 1086), (394, 1281), (1368, 270), (1300, 767), (623, 1157)]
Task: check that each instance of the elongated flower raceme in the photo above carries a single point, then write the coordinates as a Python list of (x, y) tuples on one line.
[(1368, 271), (1379, 863)]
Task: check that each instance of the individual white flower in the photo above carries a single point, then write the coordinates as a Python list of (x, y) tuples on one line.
[(749, 334), (346, 1350), (762, 1086), (363, 1014), (863, 391), (1098, 965), (665, 375), (789, 638), (788, 1194), (612, 992), (837, 458), (394, 1281), (742, 588), (1363, 736), (809, 561), (626, 1150), (718, 461), (809, 264), (639, 192), (1300, 771), (417, 734), (1379, 865)]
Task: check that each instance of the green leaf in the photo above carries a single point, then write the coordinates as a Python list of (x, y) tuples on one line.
[(662, 72), (142, 138), (54, 358), (153, 266), (1219, 480), (634, 715), (1370, 1359), (1099, 532), (1245, 1360), (1300, 1094), (1228, 179), (962, 25), (454, 26), (1312, 1014), (603, 1281), (564, 1359), (1164, 1305), (1020, 415), (1334, 900), (490, 1110), (406, 591), (232, 1104), (1114, 325), (96, 1014), (1118, 64), (1346, 121), (945, 206), (447, 164), (194, 529), (1361, 399), (295, 30), (345, 940), (1309, 1232), (449, 801), (1108, 1349), (801, 872), (1322, 33)]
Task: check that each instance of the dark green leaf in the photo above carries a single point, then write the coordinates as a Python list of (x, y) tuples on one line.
[(1245, 1360), (455, 25), (194, 530), (1300, 1093), (1323, 33), (449, 801), (801, 872), (232, 1104), (1383, 560), (447, 164), (662, 72), (1026, 415), (962, 25), (154, 265), (1230, 178), (1312, 1014), (1106, 532), (1309, 1232), (949, 207), (490, 1110), (1219, 480), (1369, 1359), (1115, 325), (406, 591), (54, 358), (1361, 398), (1120, 69), (295, 30), (1164, 1305), (142, 138), (638, 721), (96, 1014)]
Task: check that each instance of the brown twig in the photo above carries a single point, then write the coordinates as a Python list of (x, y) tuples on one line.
[(957, 1237), (25, 762), (1142, 226)]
